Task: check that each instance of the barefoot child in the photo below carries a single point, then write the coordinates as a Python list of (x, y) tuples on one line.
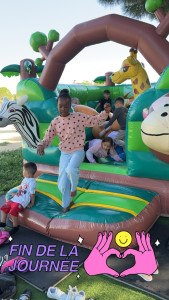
[(24, 197), (70, 127)]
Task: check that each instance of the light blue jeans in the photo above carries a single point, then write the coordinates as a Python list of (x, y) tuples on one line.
[(69, 174)]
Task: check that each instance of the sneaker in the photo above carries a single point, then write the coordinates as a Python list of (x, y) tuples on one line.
[(56, 293), (26, 295), (72, 293), (146, 277), (156, 272), (80, 296)]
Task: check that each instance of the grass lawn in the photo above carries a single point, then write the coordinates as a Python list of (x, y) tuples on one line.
[(4, 144), (11, 169), (101, 287), (97, 287)]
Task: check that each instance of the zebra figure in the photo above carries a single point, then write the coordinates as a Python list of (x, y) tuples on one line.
[(25, 122)]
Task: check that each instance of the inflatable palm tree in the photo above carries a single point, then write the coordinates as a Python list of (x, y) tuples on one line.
[(29, 68)]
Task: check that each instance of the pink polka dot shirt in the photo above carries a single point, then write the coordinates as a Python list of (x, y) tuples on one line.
[(71, 130)]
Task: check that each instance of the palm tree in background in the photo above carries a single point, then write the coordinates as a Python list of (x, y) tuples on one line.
[(136, 9)]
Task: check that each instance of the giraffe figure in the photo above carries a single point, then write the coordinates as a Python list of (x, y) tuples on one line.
[(132, 69)]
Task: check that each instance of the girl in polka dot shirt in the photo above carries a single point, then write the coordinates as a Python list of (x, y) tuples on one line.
[(70, 128)]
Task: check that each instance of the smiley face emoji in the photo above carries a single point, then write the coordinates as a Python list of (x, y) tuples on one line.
[(123, 239)]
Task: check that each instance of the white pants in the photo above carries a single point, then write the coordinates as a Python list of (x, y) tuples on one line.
[(69, 174)]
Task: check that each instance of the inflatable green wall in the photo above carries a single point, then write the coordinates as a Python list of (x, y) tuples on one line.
[(140, 161)]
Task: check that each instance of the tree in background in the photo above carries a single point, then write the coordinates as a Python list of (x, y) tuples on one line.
[(29, 68), (86, 82), (4, 92), (136, 9)]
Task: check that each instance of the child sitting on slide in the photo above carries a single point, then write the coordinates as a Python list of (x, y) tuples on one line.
[(24, 197), (100, 148)]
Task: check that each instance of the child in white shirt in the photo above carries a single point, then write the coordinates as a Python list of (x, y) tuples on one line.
[(24, 197)]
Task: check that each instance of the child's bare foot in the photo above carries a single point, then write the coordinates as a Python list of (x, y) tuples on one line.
[(72, 194), (71, 204), (65, 210)]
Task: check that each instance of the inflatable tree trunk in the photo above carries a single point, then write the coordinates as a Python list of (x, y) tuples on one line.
[(27, 69)]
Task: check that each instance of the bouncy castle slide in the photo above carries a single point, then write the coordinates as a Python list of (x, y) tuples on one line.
[(110, 197)]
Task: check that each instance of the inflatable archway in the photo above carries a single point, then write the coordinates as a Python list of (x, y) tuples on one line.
[(119, 29)]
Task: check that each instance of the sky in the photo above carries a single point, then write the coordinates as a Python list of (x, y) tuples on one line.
[(19, 19)]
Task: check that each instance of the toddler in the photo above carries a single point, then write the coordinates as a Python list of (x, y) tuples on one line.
[(24, 197)]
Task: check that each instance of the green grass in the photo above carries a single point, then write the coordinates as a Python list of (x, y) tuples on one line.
[(101, 287), (4, 144), (10, 170), (98, 287)]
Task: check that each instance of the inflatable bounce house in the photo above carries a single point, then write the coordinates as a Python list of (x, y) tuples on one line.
[(111, 197)]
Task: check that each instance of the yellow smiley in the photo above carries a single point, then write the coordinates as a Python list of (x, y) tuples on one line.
[(123, 239)]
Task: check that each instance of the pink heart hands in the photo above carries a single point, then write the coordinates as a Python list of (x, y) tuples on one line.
[(145, 262), (96, 262)]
